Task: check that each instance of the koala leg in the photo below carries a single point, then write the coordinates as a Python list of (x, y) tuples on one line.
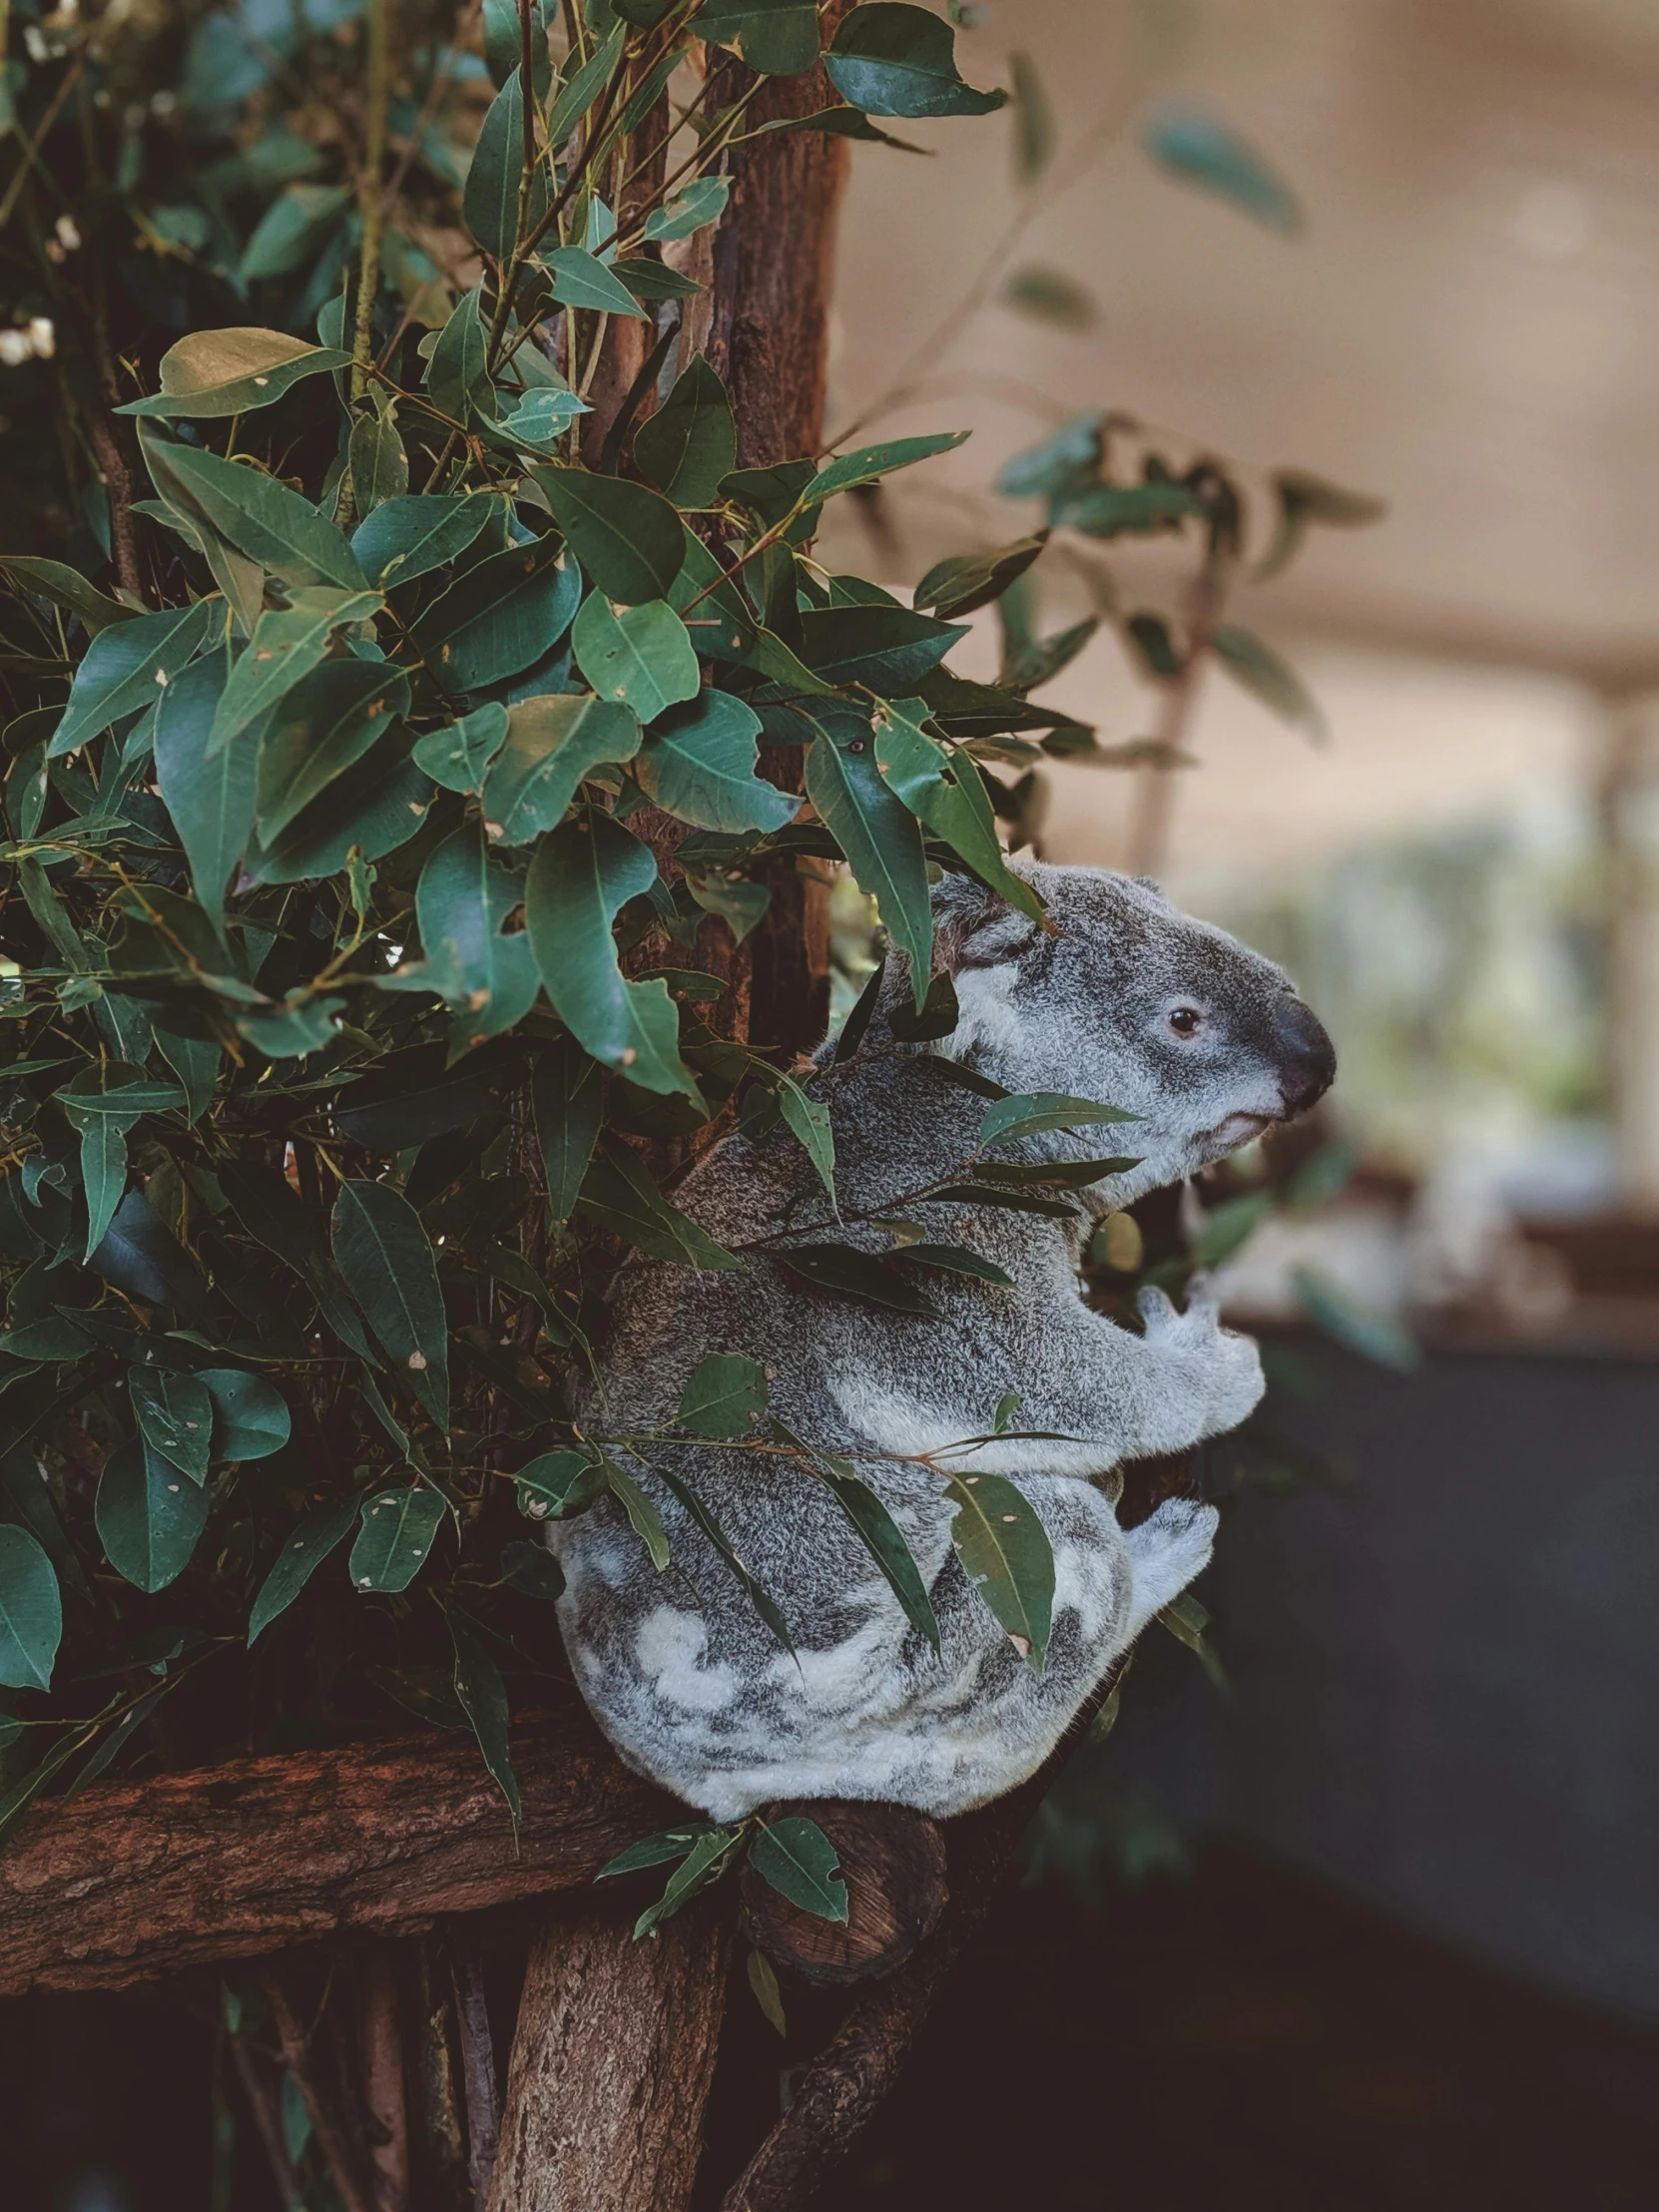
[(1169, 1549)]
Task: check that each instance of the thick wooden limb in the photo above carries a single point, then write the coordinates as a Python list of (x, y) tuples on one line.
[(612, 2065), (138, 1879)]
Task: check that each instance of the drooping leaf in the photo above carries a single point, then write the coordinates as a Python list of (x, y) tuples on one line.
[(765, 1604), (689, 446), (642, 1516), (948, 795), (250, 1416), (175, 1416), (465, 895), (389, 1266), (65, 587), (640, 656), (888, 58), (378, 803), (849, 1272), (209, 797), (699, 762), (958, 1259), (264, 519), (724, 1395), (276, 1217), (882, 1538), (881, 838), (457, 375), (141, 1256), (31, 1612), (230, 372), (493, 205), (567, 1102), (619, 1194), (320, 1533), (1034, 132), (408, 537), (703, 1862), (762, 1981), (325, 724), (500, 616), (287, 643), (552, 744), (1050, 295), (398, 1528), (581, 280), (582, 876), (1024, 1113), (126, 668), (1007, 1555), (1201, 150), (808, 1118), (1304, 499), (660, 1849), (378, 466), (559, 1485), (1267, 676), (483, 1698), (626, 536), (149, 1516), (957, 587), (802, 1864)]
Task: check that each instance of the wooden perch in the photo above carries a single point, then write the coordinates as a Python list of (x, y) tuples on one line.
[(134, 1879)]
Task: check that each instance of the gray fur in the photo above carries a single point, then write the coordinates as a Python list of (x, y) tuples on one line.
[(688, 1683)]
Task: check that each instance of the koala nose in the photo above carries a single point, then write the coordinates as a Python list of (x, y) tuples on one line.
[(1306, 1057)]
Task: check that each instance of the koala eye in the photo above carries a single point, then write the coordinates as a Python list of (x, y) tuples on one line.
[(1186, 1021)]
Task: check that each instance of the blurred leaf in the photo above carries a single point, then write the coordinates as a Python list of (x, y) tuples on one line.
[(292, 230), (398, 1527), (1227, 1227), (1034, 132), (384, 1253), (232, 373), (1007, 1555), (149, 1517), (802, 1864), (763, 1982), (641, 656), (1050, 295), (1201, 150), (320, 1533), (65, 587), (1304, 499), (891, 59), (626, 536), (699, 762), (1358, 1327), (689, 446), (724, 1397), (1262, 673), (1186, 1620), (31, 1612)]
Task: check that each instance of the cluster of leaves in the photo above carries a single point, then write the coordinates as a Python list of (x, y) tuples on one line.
[(343, 1002)]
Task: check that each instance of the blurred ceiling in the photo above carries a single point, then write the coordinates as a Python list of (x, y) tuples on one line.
[(1470, 325)]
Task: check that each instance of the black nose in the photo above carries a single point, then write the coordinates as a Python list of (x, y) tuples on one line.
[(1306, 1057)]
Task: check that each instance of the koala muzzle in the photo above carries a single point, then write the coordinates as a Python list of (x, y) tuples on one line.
[(1306, 1057)]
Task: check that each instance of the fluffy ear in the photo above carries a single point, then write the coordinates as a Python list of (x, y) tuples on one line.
[(973, 929)]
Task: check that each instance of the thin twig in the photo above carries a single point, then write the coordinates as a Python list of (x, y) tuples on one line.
[(297, 2051), (371, 188)]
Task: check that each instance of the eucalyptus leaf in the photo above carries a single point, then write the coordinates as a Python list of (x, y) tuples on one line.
[(949, 797), (640, 656), (209, 797), (264, 519), (397, 1532), (125, 670), (699, 764), (408, 537), (581, 280), (802, 1864), (465, 895), (482, 1696), (322, 725), (626, 536), (287, 643), (567, 1102), (149, 1516), (390, 1267), (689, 446), (724, 1395), (496, 211), (619, 1194), (210, 374), (31, 1612), (499, 616), (553, 743), (175, 1415), (888, 58), (302, 1553), (1007, 1555), (1199, 149), (250, 1416), (879, 837)]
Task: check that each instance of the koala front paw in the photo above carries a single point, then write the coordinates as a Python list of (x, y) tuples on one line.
[(1226, 1369)]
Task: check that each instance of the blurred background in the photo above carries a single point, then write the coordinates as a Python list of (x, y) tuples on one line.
[(1396, 1935)]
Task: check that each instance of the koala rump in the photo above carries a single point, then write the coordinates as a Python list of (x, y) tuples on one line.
[(1120, 999)]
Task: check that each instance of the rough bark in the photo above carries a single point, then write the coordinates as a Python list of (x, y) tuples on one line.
[(380, 2062), (612, 2063), (138, 1879), (893, 1860)]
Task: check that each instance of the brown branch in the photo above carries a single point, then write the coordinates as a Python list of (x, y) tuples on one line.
[(139, 1879), (483, 2103), (261, 2102), (118, 483), (381, 2042), (330, 2141)]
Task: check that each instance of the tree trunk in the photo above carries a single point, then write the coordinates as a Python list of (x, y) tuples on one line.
[(612, 2063)]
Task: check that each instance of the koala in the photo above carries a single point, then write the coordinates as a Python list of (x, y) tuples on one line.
[(1120, 999)]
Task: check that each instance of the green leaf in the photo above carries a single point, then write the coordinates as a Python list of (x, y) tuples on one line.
[(65, 587), (700, 201), (378, 466), (483, 1698), (391, 1270), (577, 96), (286, 643), (865, 464), (1229, 1226), (881, 838), (149, 1517), (553, 743), (884, 648), (274, 1216), (853, 1274), (778, 38), (567, 1102), (689, 446), (1267, 677), (808, 1118), (581, 280), (293, 230), (232, 373), (174, 1416), (959, 587), (465, 895), (398, 1528), (1201, 150), (949, 796), (1034, 132), (457, 374), (325, 723), (1304, 498), (377, 805), (642, 1516), (802, 1864), (251, 1416), (1017, 1202), (300, 1026), (762, 1981), (262, 519), (406, 538), (31, 1612), (619, 1194), (1066, 1175), (958, 1259), (641, 656), (500, 616), (1136, 510), (302, 1553), (654, 279), (559, 1485), (882, 1538), (126, 668), (703, 1863), (458, 757), (1374, 1335), (211, 799), (1007, 1555), (658, 1849), (1186, 1620), (532, 1570), (541, 418), (891, 59), (724, 1397), (627, 537), (699, 762), (582, 876), (491, 202), (1050, 295), (1024, 1113), (756, 1593)]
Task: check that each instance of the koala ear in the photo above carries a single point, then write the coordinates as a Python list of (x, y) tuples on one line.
[(973, 929)]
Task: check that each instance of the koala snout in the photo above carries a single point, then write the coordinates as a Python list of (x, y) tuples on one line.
[(1306, 1057)]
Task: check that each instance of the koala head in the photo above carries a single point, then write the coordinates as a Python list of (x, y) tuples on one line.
[(1133, 1003)]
